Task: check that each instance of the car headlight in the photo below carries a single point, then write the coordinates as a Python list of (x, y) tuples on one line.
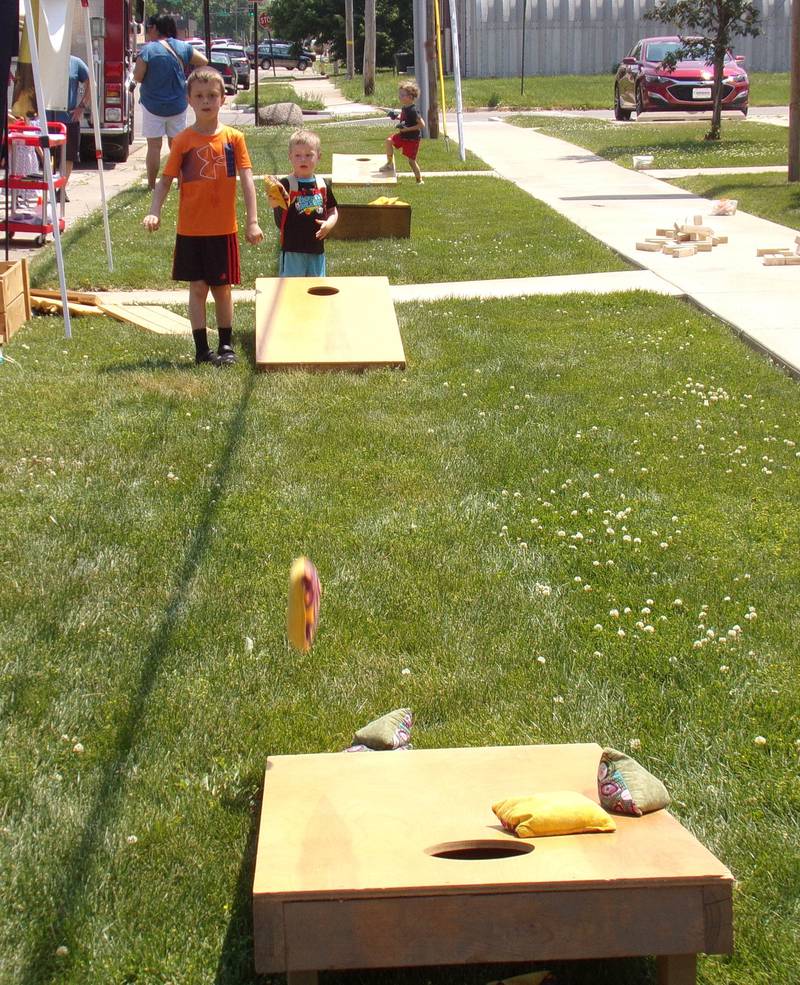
[(656, 78), (738, 78)]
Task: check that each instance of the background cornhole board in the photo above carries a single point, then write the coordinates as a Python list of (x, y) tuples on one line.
[(354, 327), (360, 169), (346, 877), (372, 222)]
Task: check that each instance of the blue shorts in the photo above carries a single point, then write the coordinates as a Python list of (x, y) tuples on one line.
[(302, 265)]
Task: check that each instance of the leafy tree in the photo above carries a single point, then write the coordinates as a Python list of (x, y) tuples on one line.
[(710, 27), (324, 20)]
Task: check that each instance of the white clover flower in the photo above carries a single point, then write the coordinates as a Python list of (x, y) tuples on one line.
[(614, 613), (724, 668), (561, 533), (405, 671), (598, 628), (635, 743), (597, 653), (627, 610), (760, 740), (557, 699), (78, 748), (248, 644), (577, 579), (621, 632), (640, 625), (541, 660), (663, 545), (698, 644), (610, 531), (62, 951), (587, 588), (131, 839), (649, 629)]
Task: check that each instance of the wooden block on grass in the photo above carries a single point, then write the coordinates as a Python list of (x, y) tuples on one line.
[(326, 323), (361, 169)]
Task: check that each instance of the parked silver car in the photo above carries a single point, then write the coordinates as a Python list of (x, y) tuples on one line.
[(238, 57)]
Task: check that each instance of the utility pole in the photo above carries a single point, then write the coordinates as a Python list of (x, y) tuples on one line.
[(369, 47), (349, 43), (432, 121), (794, 97)]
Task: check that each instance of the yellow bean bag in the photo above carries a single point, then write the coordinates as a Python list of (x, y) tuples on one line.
[(563, 812), (302, 614)]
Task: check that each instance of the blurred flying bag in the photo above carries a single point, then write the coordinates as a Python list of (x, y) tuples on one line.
[(302, 614)]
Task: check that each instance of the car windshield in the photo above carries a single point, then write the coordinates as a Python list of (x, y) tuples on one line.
[(658, 51)]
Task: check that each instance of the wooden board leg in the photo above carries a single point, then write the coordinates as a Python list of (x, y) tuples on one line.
[(677, 969), (301, 978)]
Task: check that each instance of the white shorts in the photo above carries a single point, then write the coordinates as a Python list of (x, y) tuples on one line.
[(162, 126)]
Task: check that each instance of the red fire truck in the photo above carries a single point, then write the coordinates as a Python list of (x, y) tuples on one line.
[(113, 25)]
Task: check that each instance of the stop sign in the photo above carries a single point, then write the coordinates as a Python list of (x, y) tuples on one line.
[(263, 19)]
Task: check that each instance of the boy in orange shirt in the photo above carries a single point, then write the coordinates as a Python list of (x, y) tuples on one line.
[(206, 157)]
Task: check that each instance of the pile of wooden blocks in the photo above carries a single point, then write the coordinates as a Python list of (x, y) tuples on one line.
[(683, 239), (151, 317), (780, 256)]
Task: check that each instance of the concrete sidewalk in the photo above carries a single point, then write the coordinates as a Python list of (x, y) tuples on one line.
[(619, 207)]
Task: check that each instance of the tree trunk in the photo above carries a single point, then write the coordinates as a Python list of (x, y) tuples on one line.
[(433, 73), (349, 43), (794, 98), (716, 113), (369, 47)]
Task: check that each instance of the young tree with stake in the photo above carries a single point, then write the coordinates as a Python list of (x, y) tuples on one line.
[(710, 27)]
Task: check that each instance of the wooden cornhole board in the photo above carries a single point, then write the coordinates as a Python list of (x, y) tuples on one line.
[(372, 222), (360, 169), (326, 323), (346, 875)]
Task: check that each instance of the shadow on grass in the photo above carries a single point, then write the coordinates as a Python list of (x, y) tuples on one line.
[(75, 871)]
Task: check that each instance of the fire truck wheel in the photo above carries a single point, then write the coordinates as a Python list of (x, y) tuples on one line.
[(116, 149)]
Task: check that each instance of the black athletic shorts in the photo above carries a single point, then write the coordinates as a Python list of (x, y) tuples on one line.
[(73, 141), (214, 259)]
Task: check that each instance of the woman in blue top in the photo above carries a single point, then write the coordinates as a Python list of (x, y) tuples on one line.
[(161, 70)]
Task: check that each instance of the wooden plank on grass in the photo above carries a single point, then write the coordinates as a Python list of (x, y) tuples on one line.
[(151, 317), (81, 297)]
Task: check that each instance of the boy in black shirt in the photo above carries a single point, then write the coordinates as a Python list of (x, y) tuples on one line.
[(409, 130), (305, 209)]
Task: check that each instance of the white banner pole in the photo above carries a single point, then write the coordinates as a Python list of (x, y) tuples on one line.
[(98, 144), (462, 153), (44, 141)]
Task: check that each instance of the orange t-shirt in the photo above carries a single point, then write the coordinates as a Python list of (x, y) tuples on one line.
[(207, 166)]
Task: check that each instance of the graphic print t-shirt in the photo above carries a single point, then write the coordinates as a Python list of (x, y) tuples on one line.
[(299, 233), (207, 166), (409, 117)]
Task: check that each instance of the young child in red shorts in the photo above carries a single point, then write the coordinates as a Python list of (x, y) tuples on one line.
[(207, 157), (409, 130)]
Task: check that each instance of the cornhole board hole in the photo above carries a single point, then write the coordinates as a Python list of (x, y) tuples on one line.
[(372, 222), (326, 323), (382, 860), (360, 169)]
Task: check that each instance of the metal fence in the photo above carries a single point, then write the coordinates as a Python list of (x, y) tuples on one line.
[(584, 37)]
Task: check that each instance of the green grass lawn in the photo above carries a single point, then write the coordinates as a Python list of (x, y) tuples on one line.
[(276, 92), (770, 196), (544, 91), (448, 241), (603, 491), (673, 145)]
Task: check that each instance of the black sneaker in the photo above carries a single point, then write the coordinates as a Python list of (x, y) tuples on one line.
[(226, 355), (207, 357)]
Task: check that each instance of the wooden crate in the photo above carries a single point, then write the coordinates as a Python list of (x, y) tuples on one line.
[(15, 299), (372, 222)]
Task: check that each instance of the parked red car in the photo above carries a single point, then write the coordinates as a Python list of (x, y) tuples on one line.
[(644, 85)]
